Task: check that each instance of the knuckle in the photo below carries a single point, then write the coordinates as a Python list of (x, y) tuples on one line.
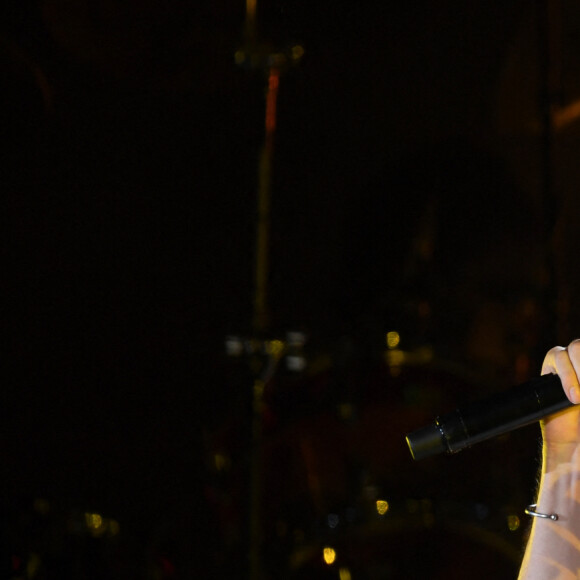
[(574, 347), (555, 351)]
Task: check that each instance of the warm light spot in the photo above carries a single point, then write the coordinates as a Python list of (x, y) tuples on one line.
[(395, 358), (239, 57), (563, 116), (297, 52), (513, 523), (329, 555), (96, 524), (271, 95), (393, 339), (382, 507), (275, 347), (221, 461), (251, 6), (274, 80), (344, 574), (94, 521)]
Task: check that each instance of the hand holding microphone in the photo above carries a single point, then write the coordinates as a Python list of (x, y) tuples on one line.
[(552, 398), (561, 433), (550, 551), (558, 389)]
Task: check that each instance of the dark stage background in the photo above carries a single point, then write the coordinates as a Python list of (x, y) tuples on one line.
[(424, 157)]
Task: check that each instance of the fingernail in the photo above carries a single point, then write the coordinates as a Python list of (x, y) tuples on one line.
[(575, 395)]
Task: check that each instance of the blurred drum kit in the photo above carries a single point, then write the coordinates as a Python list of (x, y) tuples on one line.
[(333, 490), (316, 481)]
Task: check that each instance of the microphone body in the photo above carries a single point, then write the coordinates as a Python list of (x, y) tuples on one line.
[(479, 421)]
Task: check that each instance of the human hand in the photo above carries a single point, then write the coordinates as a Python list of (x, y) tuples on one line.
[(561, 432)]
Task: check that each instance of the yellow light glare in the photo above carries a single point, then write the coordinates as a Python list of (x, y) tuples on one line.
[(393, 339), (382, 507), (275, 347), (239, 56), (344, 574), (221, 461), (96, 524), (297, 52), (94, 521), (395, 357), (513, 523), (329, 555), (251, 6)]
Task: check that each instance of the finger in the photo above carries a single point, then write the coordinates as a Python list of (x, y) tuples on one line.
[(549, 364), (566, 364), (574, 357)]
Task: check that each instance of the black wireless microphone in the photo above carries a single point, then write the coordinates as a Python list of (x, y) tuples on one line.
[(479, 421)]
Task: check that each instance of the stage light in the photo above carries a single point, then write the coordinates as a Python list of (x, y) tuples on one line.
[(96, 525), (275, 347), (393, 339), (513, 523), (329, 555), (382, 507), (94, 521)]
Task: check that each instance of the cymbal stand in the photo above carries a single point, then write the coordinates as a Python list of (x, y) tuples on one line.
[(254, 55)]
